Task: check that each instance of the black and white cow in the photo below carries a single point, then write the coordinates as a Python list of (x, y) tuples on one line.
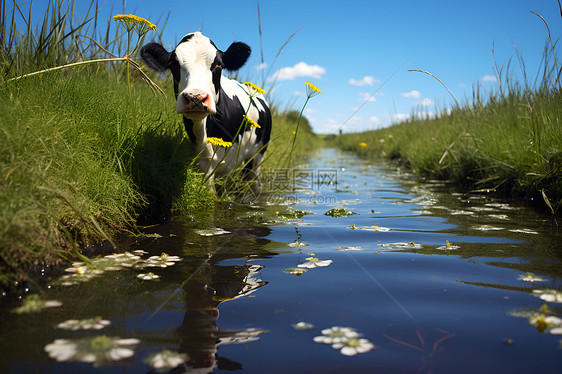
[(213, 105)]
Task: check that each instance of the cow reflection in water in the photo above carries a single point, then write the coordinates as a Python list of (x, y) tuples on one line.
[(199, 333)]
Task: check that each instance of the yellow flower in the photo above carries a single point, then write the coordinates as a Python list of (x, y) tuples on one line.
[(362, 144), (132, 22), (219, 142), (312, 90), (254, 87), (251, 122)]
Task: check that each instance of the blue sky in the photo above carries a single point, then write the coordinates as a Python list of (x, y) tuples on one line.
[(354, 49)]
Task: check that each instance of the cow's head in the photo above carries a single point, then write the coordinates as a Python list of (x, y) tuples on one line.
[(196, 65)]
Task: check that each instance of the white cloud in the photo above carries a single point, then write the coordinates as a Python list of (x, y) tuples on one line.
[(424, 102), (374, 120), (302, 69), (261, 66), (365, 81), (489, 78), (414, 94), (365, 96)]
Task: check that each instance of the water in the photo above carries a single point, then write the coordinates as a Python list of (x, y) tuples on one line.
[(230, 303)]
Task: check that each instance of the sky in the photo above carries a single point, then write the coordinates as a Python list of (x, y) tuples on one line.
[(359, 53)]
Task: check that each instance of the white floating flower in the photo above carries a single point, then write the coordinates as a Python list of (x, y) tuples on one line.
[(96, 349), (546, 323), (530, 277), (336, 334), (303, 326), (148, 276), (34, 303), (313, 262), (86, 324), (551, 296), (352, 347), (164, 260), (167, 360)]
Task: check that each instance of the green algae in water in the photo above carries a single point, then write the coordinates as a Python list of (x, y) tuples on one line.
[(339, 212)]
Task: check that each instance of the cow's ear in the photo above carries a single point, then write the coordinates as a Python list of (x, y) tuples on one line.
[(156, 57), (236, 56)]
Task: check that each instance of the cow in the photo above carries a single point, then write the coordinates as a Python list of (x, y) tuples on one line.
[(214, 106)]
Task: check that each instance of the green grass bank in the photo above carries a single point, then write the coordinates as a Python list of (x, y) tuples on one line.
[(89, 151), (80, 164), (510, 144)]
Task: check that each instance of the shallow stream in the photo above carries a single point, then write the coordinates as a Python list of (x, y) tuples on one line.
[(416, 278)]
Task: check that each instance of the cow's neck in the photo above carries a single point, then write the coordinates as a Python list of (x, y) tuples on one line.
[(200, 133)]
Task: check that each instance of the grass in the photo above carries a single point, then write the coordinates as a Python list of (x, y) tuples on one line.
[(87, 152), (80, 164), (509, 143)]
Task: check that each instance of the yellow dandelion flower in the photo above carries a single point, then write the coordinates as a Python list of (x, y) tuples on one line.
[(251, 122), (219, 142), (312, 90), (132, 22), (362, 144), (254, 87)]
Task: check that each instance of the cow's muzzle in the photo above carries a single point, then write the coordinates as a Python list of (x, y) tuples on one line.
[(196, 101)]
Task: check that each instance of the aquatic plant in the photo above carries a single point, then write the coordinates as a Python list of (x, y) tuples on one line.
[(166, 360), (212, 232), (544, 322), (402, 245), (552, 296), (345, 339), (368, 228), (295, 271), (96, 323), (530, 277), (313, 262), (336, 334), (34, 303), (303, 326), (297, 243), (92, 349), (81, 271), (339, 212), (448, 246), (148, 276), (162, 261), (352, 347)]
